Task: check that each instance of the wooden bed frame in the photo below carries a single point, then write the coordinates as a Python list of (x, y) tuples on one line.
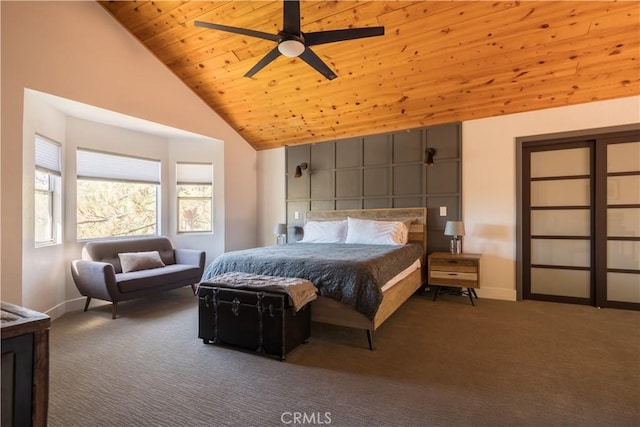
[(326, 310)]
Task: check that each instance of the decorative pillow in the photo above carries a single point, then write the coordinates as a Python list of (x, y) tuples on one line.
[(135, 261), (325, 232), (371, 232)]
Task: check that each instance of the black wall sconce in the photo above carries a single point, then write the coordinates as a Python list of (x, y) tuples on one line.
[(301, 167), (428, 156)]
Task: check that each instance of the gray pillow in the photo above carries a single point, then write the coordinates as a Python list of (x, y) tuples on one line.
[(135, 261)]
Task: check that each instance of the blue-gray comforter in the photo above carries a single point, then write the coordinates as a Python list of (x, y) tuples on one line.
[(350, 273)]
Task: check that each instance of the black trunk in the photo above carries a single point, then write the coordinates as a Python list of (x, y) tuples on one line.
[(260, 321)]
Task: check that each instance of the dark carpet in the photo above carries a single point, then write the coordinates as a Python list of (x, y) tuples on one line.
[(442, 363)]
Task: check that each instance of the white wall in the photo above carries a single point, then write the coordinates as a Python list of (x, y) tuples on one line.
[(271, 193), (43, 272), (81, 53), (488, 180)]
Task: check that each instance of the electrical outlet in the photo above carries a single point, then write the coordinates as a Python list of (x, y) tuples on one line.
[(296, 215), (443, 211)]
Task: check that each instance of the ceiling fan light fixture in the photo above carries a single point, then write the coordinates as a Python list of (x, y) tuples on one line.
[(291, 48)]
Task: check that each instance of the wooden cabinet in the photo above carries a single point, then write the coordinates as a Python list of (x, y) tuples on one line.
[(25, 366), (448, 270)]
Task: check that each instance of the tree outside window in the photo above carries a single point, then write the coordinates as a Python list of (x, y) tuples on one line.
[(114, 209)]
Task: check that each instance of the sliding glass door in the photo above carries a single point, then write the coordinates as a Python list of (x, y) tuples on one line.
[(621, 172), (581, 220)]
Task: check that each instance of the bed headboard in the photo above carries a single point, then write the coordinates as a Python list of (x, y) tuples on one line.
[(418, 216)]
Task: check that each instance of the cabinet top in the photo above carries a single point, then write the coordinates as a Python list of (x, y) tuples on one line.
[(16, 320), (447, 255)]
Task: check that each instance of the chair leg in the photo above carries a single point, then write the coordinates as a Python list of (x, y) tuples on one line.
[(193, 288), (114, 309), (370, 338), (86, 304)]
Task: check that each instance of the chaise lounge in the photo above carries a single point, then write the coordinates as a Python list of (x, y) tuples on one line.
[(124, 269)]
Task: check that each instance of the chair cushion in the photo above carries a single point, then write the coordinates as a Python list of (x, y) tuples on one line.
[(157, 277)]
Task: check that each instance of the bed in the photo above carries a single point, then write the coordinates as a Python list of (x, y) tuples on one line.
[(395, 272)]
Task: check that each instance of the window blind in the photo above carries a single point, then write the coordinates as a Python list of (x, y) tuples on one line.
[(99, 165), (194, 173), (48, 155)]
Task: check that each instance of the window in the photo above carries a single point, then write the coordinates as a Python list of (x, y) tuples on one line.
[(116, 195), (195, 197), (47, 198)]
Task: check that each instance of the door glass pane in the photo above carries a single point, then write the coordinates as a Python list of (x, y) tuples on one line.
[(623, 255), (623, 190), (572, 253), (575, 222), (623, 157), (570, 162), (571, 283), (623, 287), (623, 222), (561, 192)]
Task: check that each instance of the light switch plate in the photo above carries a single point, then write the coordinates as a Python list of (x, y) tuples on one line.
[(296, 215), (443, 211)]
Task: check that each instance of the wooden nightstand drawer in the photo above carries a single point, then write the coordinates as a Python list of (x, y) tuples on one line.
[(460, 265), (473, 277)]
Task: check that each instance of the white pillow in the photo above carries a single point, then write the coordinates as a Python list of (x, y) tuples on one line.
[(371, 232), (325, 232)]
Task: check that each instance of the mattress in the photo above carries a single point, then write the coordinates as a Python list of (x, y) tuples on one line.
[(407, 271)]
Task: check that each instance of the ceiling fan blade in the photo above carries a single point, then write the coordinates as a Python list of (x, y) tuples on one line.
[(273, 54), (312, 59), (244, 31), (291, 17), (331, 36)]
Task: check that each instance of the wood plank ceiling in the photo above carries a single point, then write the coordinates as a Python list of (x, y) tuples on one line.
[(438, 62)]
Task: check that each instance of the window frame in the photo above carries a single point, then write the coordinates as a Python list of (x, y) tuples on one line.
[(195, 178), (48, 160), (116, 168)]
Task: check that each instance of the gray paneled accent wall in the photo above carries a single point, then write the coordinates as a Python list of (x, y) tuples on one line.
[(380, 171)]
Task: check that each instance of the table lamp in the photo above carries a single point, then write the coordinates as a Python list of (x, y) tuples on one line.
[(455, 229), (280, 230)]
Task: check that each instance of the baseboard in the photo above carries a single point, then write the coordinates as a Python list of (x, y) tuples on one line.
[(66, 307), (497, 293)]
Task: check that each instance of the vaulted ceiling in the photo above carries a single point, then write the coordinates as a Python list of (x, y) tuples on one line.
[(438, 61)]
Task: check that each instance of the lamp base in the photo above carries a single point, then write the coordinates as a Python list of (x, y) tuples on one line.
[(455, 246), (281, 239)]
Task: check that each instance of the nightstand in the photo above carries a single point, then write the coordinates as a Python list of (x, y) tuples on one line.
[(461, 271)]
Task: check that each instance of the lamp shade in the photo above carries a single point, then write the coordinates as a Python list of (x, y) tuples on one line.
[(454, 228), (280, 229)]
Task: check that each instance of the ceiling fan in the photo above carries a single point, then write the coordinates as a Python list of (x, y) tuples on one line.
[(294, 43)]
